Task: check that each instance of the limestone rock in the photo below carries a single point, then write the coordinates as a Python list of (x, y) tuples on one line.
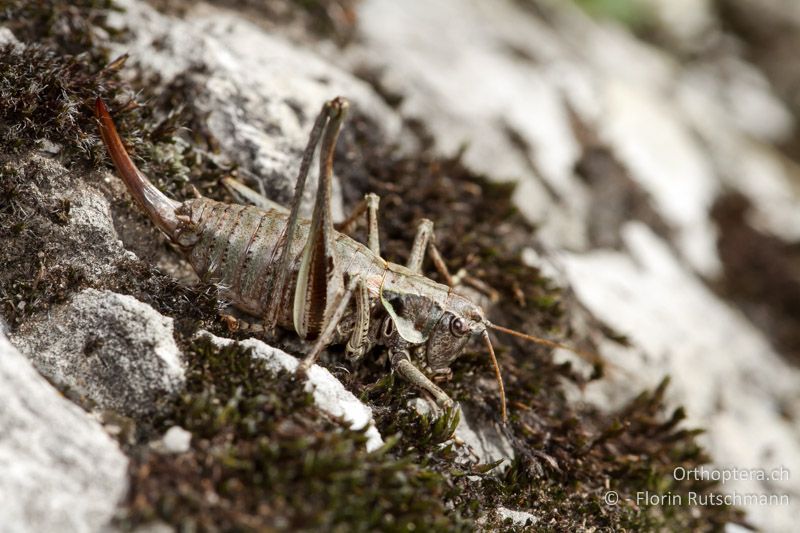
[(61, 471), (112, 349), (261, 93)]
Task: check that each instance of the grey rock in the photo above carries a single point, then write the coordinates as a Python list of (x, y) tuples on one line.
[(60, 470), (261, 92), (518, 518), (112, 349), (486, 442), (7, 37), (85, 241), (176, 440)]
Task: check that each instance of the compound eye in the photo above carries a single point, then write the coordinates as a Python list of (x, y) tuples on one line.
[(459, 327)]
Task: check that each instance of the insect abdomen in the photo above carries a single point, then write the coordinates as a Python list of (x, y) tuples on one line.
[(236, 249)]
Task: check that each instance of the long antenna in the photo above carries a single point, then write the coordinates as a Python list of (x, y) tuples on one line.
[(497, 375), (545, 342)]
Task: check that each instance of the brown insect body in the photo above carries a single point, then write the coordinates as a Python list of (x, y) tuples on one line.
[(240, 247), (237, 247), (305, 276)]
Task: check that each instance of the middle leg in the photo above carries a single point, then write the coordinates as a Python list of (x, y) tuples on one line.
[(370, 204), (329, 332), (424, 241), (247, 196)]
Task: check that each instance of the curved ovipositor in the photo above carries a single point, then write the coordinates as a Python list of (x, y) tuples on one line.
[(160, 208)]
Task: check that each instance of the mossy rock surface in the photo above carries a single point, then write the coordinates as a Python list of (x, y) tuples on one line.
[(262, 456)]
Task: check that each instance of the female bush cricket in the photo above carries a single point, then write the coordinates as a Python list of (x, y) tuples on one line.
[(304, 274)]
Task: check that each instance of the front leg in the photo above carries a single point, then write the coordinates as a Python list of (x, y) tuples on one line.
[(424, 240), (421, 240), (401, 361)]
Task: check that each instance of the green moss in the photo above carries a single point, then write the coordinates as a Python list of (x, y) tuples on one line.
[(50, 102), (263, 457), (634, 450), (71, 28), (53, 100)]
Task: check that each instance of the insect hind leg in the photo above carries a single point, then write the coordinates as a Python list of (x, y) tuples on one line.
[(329, 110), (319, 278)]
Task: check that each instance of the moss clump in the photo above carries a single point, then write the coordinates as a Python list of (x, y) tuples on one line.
[(50, 102), (572, 463), (71, 28), (263, 457), (48, 84), (68, 44)]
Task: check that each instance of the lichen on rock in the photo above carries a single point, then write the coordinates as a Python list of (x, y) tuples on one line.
[(109, 349)]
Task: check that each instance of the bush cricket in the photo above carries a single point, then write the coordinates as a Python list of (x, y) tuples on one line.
[(308, 277)]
